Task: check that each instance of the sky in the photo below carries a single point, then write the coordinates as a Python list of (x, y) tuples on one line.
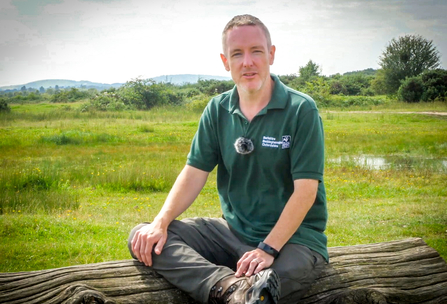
[(114, 41)]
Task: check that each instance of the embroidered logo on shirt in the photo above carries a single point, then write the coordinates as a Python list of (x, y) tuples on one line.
[(286, 141), (271, 142)]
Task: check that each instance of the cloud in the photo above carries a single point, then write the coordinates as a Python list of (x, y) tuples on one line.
[(116, 40)]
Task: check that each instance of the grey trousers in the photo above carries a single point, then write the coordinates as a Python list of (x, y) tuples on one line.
[(201, 251)]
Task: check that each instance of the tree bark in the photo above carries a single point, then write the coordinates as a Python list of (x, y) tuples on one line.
[(406, 271)]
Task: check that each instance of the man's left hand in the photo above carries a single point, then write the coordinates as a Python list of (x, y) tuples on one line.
[(253, 262)]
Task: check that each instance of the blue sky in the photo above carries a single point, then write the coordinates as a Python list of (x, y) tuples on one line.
[(118, 40)]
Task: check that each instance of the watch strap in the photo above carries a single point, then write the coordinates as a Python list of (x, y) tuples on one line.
[(270, 250)]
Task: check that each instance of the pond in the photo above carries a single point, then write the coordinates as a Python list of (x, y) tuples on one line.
[(393, 162)]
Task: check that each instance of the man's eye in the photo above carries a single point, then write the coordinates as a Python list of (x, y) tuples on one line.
[(236, 54)]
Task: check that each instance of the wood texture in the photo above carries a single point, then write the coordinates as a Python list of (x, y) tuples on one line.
[(406, 271)]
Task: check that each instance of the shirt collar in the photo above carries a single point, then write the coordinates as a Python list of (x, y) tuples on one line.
[(278, 100)]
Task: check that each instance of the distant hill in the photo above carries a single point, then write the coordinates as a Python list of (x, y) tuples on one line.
[(186, 78), (64, 83)]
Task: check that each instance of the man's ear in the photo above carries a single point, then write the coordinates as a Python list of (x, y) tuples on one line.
[(225, 62), (272, 54)]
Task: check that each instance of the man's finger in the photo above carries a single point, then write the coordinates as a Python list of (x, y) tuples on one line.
[(241, 268), (259, 267), (136, 246), (159, 247), (252, 266)]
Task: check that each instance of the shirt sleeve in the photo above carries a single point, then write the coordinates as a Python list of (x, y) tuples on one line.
[(204, 154), (307, 151)]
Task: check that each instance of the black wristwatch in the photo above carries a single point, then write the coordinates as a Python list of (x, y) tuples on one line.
[(270, 250)]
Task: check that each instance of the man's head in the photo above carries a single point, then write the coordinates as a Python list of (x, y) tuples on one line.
[(248, 53), (244, 20)]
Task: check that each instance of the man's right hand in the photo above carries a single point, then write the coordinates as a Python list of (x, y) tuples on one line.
[(153, 237), (149, 238)]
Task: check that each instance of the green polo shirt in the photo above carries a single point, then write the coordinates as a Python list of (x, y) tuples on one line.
[(253, 188)]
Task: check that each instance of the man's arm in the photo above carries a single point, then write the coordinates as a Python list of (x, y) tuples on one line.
[(299, 203), (186, 188)]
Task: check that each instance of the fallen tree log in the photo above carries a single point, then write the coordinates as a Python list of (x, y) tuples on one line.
[(406, 271)]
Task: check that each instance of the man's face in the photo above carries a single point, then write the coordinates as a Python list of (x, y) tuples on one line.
[(248, 58)]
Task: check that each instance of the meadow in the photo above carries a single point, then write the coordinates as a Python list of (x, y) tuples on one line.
[(72, 184)]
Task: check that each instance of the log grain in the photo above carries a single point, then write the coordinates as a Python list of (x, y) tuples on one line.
[(405, 271)]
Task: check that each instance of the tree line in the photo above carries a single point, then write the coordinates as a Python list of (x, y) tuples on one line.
[(409, 71)]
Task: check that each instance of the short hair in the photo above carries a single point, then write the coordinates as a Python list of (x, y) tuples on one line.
[(244, 20)]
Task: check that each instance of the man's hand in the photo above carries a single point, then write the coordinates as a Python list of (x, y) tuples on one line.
[(149, 238), (253, 262)]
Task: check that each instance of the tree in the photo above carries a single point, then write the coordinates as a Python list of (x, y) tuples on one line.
[(307, 73), (407, 56), (311, 69), (378, 83)]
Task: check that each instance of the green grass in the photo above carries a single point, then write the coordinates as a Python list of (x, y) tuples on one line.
[(73, 184)]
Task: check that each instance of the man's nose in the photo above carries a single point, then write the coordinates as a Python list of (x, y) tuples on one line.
[(248, 61)]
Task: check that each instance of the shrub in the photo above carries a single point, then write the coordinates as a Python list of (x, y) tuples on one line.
[(71, 95), (137, 94), (213, 87), (142, 94), (106, 101), (4, 107), (411, 89), (337, 87), (198, 103), (319, 90), (435, 83)]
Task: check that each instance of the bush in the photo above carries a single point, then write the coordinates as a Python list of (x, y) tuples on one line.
[(411, 89), (213, 87), (319, 90), (4, 107), (143, 94), (137, 94), (435, 83), (198, 103), (106, 101), (71, 95)]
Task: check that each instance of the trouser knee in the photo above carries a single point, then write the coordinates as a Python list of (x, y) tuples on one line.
[(297, 267)]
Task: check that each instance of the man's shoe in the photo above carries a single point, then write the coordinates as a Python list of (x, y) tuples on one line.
[(261, 288), (265, 288)]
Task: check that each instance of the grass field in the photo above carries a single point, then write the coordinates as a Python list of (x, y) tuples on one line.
[(73, 184)]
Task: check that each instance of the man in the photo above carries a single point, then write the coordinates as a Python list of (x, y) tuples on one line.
[(267, 141)]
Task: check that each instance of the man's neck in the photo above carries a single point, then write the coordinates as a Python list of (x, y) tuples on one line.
[(251, 104)]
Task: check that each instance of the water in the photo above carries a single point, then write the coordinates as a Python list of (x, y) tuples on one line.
[(392, 162)]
